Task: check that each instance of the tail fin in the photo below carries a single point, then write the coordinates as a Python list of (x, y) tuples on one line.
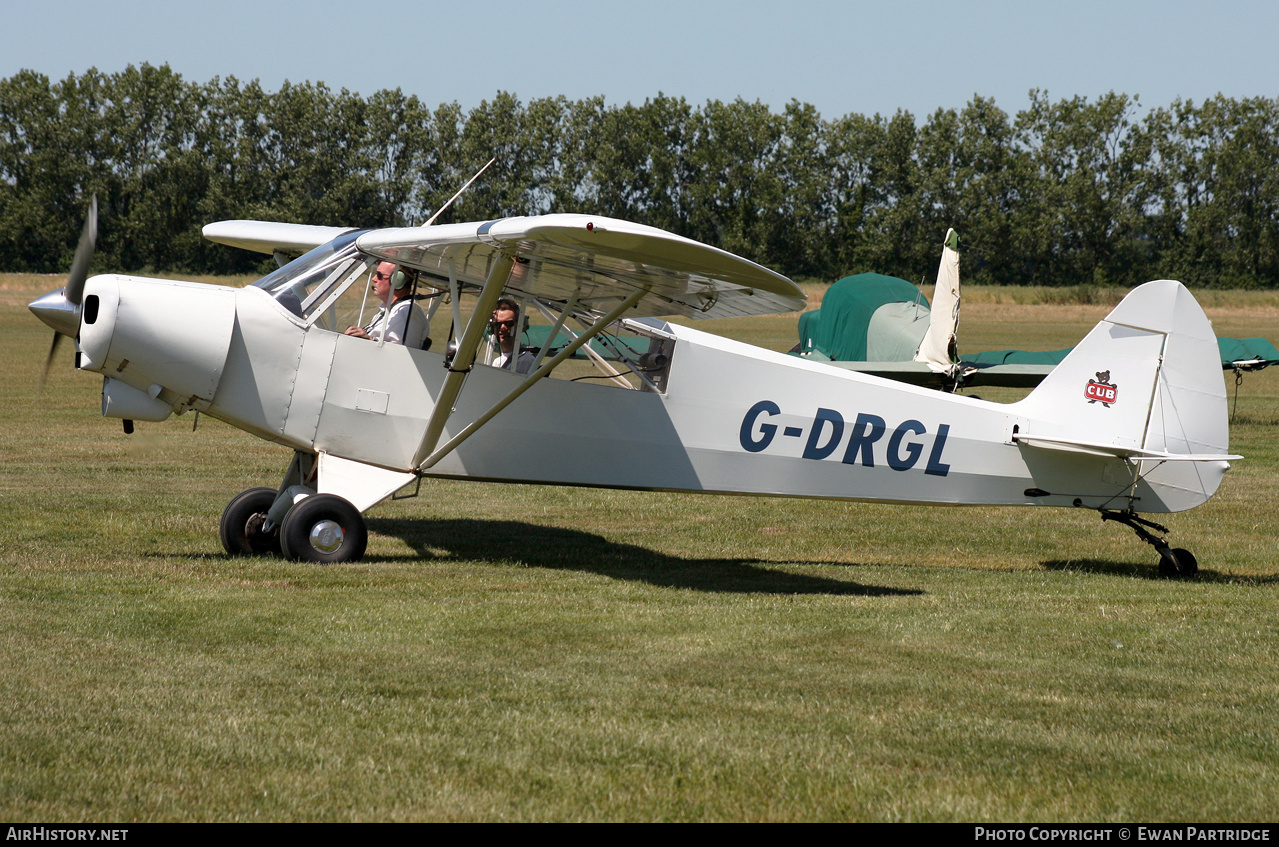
[(1145, 385), (938, 349)]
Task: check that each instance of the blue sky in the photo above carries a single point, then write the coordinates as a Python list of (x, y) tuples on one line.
[(841, 57)]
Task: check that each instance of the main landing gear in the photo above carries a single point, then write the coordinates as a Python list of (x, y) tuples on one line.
[(1173, 562), (320, 528), (294, 521)]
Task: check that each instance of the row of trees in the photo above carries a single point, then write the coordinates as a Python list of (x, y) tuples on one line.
[(1066, 192)]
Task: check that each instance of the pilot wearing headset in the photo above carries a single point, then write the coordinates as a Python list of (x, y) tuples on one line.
[(408, 324)]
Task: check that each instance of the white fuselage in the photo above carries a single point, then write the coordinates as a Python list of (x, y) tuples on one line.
[(733, 419)]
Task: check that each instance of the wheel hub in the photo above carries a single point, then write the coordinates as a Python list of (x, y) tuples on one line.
[(326, 536)]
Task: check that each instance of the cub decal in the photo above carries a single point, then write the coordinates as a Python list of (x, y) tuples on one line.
[(1101, 390)]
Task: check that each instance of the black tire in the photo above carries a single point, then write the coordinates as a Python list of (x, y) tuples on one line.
[(1177, 563), (241, 526), (1187, 564), (323, 528)]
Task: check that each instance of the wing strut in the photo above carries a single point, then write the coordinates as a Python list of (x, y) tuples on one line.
[(605, 368), (461, 360), (541, 372), (555, 328)]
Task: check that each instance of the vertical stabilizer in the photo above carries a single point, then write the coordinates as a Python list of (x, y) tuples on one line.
[(938, 350), (1145, 382)]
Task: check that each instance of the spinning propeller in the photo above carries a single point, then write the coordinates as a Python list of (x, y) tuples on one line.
[(60, 309)]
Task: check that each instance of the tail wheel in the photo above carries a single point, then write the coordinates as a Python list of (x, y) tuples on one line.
[(1173, 562), (323, 528), (1187, 564), (1177, 562), (241, 528)]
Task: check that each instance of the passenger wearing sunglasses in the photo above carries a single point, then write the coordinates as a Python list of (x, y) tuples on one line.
[(504, 326)]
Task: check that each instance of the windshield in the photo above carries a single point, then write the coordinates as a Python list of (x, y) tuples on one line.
[(306, 284)]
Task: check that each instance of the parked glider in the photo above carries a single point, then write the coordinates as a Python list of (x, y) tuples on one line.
[(1133, 421), (883, 325)]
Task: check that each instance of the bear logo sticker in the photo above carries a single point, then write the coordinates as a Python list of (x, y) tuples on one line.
[(1101, 390)]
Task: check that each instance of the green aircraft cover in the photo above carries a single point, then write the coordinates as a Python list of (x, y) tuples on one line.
[(1016, 357), (865, 317), (1247, 353)]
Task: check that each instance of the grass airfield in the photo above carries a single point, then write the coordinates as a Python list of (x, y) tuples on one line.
[(537, 653)]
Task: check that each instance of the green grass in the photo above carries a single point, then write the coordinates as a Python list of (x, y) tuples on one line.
[(531, 653)]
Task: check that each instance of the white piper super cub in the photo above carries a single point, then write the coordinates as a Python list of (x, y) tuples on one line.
[(1133, 421)]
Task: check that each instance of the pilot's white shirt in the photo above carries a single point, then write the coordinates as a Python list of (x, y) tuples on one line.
[(401, 310), (525, 362)]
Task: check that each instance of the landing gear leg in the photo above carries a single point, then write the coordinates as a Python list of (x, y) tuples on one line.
[(1172, 562)]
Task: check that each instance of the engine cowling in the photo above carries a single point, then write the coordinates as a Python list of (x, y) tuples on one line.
[(146, 333)]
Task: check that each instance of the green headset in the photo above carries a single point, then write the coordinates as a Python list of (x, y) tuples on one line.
[(401, 279)]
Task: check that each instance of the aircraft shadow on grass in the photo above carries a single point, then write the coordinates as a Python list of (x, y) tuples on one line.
[(1141, 570), (556, 548), (1097, 566)]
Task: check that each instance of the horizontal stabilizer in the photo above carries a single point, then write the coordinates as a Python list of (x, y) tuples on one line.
[(1097, 448)]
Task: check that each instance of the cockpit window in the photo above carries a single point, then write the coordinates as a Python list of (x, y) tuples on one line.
[(304, 285)]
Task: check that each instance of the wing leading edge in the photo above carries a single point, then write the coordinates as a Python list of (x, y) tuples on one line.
[(271, 236)]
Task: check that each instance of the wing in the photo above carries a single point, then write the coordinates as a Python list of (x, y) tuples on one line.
[(600, 261), (272, 237)]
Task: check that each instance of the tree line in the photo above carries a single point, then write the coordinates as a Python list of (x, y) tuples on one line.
[(1066, 192)]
